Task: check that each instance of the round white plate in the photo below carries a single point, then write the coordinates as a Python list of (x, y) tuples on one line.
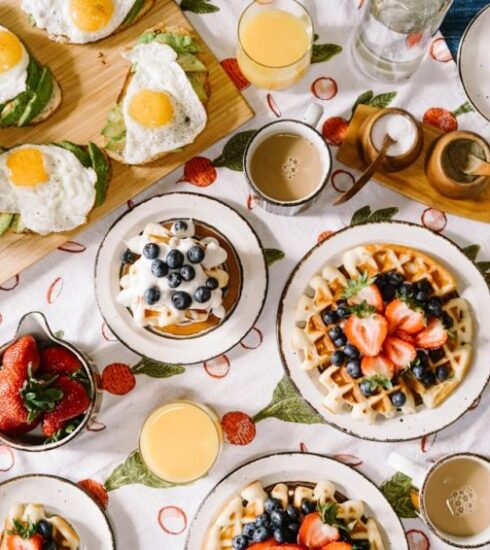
[(471, 286), (60, 497), (474, 62), (302, 467), (248, 250)]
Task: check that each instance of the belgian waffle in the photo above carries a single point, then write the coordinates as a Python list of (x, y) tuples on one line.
[(314, 347), (247, 505)]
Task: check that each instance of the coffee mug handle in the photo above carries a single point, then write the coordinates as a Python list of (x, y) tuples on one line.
[(409, 468), (313, 115)]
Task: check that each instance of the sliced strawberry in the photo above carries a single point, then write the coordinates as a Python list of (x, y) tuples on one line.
[(378, 366), (367, 333), (315, 534), (271, 544), (401, 317), (58, 360), (369, 294), (20, 355), (399, 352), (405, 337), (434, 336), (338, 546), (16, 542)]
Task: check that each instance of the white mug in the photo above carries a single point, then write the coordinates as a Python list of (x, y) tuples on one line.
[(420, 478), (307, 129)]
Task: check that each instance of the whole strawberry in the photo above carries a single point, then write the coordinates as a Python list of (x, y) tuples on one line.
[(22, 353), (58, 360)]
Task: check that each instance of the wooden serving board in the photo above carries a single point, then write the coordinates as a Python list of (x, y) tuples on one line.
[(91, 76), (412, 182)]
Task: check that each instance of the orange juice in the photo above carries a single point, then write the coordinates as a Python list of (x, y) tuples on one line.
[(181, 441)]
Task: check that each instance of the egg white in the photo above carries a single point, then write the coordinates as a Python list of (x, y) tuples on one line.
[(59, 204), (155, 68), (14, 81), (54, 17)]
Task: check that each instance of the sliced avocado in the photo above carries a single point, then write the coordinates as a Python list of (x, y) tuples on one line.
[(17, 224), (115, 123), (5, 221), (102, 168), (80, 152), (40, 98), (190, 63), (181, 43), (133, 12), (198, 81)]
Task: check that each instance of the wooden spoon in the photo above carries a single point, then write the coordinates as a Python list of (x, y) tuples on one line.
[(476, 166), (371, 169)]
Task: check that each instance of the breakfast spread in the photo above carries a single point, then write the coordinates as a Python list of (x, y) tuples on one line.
[(83, 21), (385, 332), (161, 106), (29, 527), (50, 188), (300, 516), (179, 278), (28, 91)]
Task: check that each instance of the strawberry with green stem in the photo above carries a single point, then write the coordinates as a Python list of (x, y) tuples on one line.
[(446, 120), (362, 290), (366, 329)]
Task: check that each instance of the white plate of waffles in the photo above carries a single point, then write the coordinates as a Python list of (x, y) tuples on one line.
[(303, 500), (181, 278), (379, 328)]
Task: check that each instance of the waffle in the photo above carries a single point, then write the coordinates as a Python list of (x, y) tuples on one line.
[(314, 347), (246, 506)]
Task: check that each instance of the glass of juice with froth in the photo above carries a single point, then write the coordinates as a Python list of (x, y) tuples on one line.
[(275, 39), (181, 441)]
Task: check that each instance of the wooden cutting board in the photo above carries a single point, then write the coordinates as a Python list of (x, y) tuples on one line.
[(91, 76), (412, 182)]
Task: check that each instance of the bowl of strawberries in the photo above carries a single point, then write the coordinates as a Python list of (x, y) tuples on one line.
[(47, 388)]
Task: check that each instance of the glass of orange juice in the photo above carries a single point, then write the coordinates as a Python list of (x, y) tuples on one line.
[(275, 39), (181, 441)]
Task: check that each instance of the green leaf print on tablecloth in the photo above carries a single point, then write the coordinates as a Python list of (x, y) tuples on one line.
[(324, 52), (133, 470), (155, 369), (398, 491), (472, 252), (273, 255), (368, 98), (287, 405), (198, 6), (364, 215), (232, 155)]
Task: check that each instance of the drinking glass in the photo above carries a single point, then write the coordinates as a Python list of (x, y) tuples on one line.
[(393, 36)]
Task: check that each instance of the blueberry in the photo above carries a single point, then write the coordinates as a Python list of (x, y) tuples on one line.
[(212, 283), (425, 286), (398, 399), (340, 341), (292, 512), (49, 544), (180, 226), (381, 279), (436, 354), (388, 292), (447, 320), (127, 257), (239, 542), (174, 279), (406, 290), (429, 378), (292, 528), (395, 278), (335, 332), (202, 295), (422, 358), (366, 388), (175, 259), (351, 351), (263, 520), (271, 504), (343, 312), (353, 368), (329, 316), (152, 295), (442, 373), (308, 507), (181, 300), (261, 534), (45, 529), (159, 268), (187, 272), (280, 536), (421, 296), (434, 307), (195, 255), (151, 251), (338, 358), (419, 371), (248, 530), (278, 518)]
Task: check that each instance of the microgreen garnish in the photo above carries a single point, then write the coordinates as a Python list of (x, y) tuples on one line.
[(328, 514), (378, 381), (24, 529), (362, 310), (354, 286)]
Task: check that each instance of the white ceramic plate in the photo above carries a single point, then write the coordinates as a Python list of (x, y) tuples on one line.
[(474, 62), (62, 497), (471, 286), (226, 221), (302, 467)]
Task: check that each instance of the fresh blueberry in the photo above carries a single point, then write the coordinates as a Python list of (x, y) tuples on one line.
[(341, 302), (308, 507), (212, 283), (425, 286), (351, 351), (280, 536), (381, 279), (187, 272), (127, 257), (366, 388), (434, 307), (239, 542), (429, 378), (338, 357), (175, 259), (263, 520), (388, 292), (442, 373), (195, 255), (329, 317), (248, 530), (340, 341), (406, 290), (202, 295), (180, 226), (395, 278), (436, 354), (343, 312), (159, 268), (398, 399), (152, 295), (271, 504), (49, 544), (421, 296), (447, 320), (422, 358), (181, 300), (45, 529), (292, 512), (174, 279), (335, 332), (261, 534), (278, 518), (292, 528), (353, 368), (151, 251), (419, 371)]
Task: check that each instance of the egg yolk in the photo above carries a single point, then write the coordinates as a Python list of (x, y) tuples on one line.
[(10, 51), (26, 167), (150, 108), (91, 15)]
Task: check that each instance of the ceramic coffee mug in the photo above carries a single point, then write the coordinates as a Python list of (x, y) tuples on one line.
[(305, 128), (463, 500)]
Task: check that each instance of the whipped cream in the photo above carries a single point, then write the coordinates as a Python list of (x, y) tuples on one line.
[(140, 277)]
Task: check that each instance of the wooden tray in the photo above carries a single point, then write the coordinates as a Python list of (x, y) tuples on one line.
[(91, 76), (412, 182)]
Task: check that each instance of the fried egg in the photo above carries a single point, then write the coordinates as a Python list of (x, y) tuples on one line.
[(14, 60), (161, 110), (78, 21), (47, 185)]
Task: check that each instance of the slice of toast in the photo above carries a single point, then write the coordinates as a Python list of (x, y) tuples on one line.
[(160, 28)]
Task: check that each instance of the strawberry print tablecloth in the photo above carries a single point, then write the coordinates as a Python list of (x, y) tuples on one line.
[(260, 411)]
